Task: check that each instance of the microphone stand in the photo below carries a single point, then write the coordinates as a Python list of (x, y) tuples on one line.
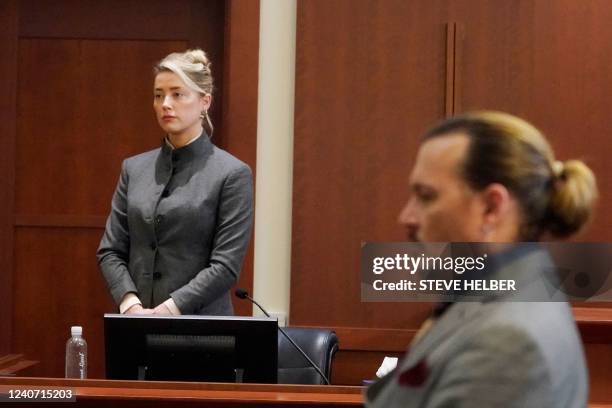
[(290, 340)]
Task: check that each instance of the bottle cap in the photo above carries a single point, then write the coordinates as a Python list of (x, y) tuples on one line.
[(76, 330)]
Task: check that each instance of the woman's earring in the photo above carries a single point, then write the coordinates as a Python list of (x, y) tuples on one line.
[(203, 114)]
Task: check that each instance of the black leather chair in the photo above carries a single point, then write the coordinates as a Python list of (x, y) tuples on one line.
[(319, 344)]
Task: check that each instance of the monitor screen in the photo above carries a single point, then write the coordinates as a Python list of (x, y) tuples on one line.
[(191, 348)]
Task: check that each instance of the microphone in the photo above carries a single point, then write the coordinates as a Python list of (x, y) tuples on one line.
[(243, 294)]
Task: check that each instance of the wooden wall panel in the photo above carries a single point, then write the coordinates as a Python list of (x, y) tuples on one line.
[(572, 68), (118, 19), (498, 50), (240, 71), (8, 114), (57, 286), (100, 113), (599, 360), (239, 121), (369, 79), (549, 63), (382, 66), (206, 31), (196, 23)]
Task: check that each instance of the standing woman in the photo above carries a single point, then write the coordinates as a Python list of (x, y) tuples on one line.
[(181, 215)]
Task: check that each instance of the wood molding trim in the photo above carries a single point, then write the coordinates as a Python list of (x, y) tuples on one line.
[(454, 36), (8, 131), (61, 221), (13, 364), (364, 339), (594, 324), (239, 120)]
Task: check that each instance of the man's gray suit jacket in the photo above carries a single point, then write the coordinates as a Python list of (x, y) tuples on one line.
[(179, 227), (493, 353)]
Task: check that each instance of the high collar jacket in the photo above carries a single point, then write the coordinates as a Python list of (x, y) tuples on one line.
[(179, 227)]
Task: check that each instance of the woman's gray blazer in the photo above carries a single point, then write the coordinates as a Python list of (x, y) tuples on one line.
[(179, 227)]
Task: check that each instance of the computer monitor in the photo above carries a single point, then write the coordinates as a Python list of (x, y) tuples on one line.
[(191, 348)]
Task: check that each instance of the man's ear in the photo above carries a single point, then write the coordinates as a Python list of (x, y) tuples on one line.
[(496, 199)]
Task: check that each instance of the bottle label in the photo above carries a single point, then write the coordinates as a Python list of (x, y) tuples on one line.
[(81, 364)]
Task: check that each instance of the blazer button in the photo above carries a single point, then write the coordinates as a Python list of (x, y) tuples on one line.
[(153, 246), (157, 275), (158, 219)]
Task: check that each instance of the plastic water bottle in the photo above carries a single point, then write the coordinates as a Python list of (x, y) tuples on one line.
[(76, 354)]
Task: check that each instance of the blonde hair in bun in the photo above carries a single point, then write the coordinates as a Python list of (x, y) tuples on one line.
[(573, 195), (193, 67), (556, 198)]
